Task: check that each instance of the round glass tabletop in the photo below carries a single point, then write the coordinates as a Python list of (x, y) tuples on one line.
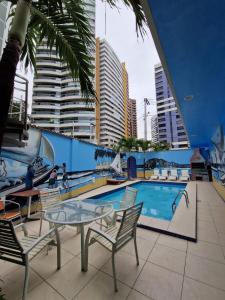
[(77, 212)]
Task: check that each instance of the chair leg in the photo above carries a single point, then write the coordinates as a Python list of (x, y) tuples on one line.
[(86, 250), (41, 221), (114, 270), (58, 248), (136, 250), (26, 279)]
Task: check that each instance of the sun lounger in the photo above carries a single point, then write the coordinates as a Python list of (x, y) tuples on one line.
[(173, 175), (155, 174), (164, 175), (184, 175)]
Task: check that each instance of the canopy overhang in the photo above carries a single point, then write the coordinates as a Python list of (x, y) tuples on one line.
[(190, 39)]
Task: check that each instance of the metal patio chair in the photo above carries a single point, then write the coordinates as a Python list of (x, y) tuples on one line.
[(128, 200), (12, 214), (22, 251), (113, 239), (48, 199)]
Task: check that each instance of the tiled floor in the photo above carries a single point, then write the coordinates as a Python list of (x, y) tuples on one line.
[(169, 269)]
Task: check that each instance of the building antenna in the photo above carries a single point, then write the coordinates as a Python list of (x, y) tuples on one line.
[(105, 18)]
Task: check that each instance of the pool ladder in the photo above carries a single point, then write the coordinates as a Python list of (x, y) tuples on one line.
[(183, 192)]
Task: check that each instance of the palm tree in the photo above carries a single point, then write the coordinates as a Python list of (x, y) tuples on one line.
[(64, 24), (144, 145), (160, 146), (128, 144)]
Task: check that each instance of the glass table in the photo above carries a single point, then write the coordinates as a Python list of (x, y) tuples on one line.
[(78, 213)]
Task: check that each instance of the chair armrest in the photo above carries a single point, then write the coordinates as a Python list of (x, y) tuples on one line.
[(13, 202), (103, 234), (23, 227), (40, 239)]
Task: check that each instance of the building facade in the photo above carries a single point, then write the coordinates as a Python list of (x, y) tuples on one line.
[(170, 125), (132, 118), (4, 9), (113, 93), (154, 129), (57, 101)]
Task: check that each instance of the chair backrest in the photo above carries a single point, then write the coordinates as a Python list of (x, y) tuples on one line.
[(49, 198), (173, 172), (10, 248), (156, 172), (184, 172), (164, 172), (129, 197), (129, 223)]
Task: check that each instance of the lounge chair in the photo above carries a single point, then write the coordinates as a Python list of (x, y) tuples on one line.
[(173, 175), (113, 239), (22, 251), (155, 174), (184, 175), (164, 174)]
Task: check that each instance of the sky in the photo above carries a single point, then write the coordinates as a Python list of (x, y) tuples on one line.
[(139, 55)]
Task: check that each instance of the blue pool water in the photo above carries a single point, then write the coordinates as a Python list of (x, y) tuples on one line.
[(157, 198)]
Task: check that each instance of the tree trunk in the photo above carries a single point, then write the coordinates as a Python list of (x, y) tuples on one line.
[(8, 63), (10, 59)]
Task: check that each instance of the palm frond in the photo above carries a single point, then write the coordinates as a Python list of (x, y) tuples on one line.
[(136, 6), (70, 34)]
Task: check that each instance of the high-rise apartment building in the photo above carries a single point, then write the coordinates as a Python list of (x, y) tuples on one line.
[(154, 129), (4, 9), (57, 101), (132, 118), (170, 125), (112, 92)]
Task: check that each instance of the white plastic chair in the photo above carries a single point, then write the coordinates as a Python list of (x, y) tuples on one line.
[(155, 174), (164, 174), (128, 200), (173, 175), (113, 239), (184, 175)]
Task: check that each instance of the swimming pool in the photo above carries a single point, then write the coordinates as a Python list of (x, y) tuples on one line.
[(157, 198)]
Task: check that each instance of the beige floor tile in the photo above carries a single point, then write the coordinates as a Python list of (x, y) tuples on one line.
[(70, 280), (172, 242), (206, 225), (221, 238), (126, 268), (98, 255), (144, 248), (70, 240), (147, 234), (194, 290), (220, 226), (13, 283), (206, 271), (134, 295), (206, 250), (7, 267), (208, 235), (102, 288), (45, 264), (159, 283), (44, 292), (169, 258), (205, 217)]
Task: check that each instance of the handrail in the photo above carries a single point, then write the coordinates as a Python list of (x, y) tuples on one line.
[(183, 192)]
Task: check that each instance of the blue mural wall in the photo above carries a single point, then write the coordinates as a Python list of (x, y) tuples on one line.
[(217, 155), (172, 158)]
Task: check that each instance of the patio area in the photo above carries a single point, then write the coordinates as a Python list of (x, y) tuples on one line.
[(170, 268)]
